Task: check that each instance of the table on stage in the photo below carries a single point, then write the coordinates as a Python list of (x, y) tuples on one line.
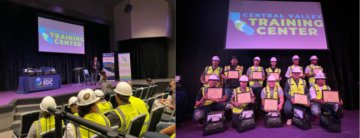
[(38, 83)]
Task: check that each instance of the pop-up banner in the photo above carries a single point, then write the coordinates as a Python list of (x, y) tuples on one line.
[(109, 65), (124, 66)]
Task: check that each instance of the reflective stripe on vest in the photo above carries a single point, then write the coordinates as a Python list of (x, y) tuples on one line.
[(44, 125), (84, 132), (203, 91), (300, 88), (312, 79), (238, 110), (122, 119), (126, 112), (319, 92), (275, 94), (252, 69), (238, 68)]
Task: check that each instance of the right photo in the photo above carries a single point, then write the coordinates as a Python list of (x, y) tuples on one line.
[(267, 69)]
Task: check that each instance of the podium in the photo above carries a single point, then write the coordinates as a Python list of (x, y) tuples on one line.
[(77, 72)]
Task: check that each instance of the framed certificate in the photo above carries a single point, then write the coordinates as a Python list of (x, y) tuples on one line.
[(276, 75), (233, 74), (243, 98), (207, 77), (331, 96), (215, 93), (317, 70), (301, 99), (271, 104), (257, 75)]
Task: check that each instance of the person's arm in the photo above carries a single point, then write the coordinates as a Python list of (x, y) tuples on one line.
[(199, 99), (281, 96), (233, 102), (287, 74), (114, 119), (248, 73), (308, 72), (262, 95), (32, 130), (169, 130), (263, 74), (70, 131), (202, 77)]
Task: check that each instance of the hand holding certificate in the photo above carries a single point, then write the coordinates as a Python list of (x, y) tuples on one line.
[(243, 98), (207, 77), (276, 75), (256, 75), (316, 70), (331, 96), (301, 99), (270, 105), (214, 93), (233, 74)]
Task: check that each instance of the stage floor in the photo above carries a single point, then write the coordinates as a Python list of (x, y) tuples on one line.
[(350, 129)]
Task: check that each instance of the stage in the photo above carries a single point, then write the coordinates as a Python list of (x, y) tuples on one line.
[(350, 129)]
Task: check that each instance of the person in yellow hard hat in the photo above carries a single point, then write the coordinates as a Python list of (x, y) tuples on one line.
[(103, 106), (310, 70), (72, 105), (210, 70), (46, 121), (126, 111)]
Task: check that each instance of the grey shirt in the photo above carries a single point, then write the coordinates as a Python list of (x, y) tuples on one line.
[(248, 73), (114, 119), (263, 93)]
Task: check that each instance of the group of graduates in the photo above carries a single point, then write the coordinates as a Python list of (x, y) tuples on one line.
[(215, 76)]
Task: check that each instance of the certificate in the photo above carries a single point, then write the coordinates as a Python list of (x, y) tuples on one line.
[(207, 77), (316, 70), (331, 96), (243, 98), (257, 75), (276, 75), (301, 99), (232, 74), (271, 105), (215, 93)]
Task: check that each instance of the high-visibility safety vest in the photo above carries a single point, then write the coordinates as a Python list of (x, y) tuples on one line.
[(126, 113), (203, 92), (299, 88), (142, 107), (275, 94), (319, 92), (312, 79), (44, 125), (173, 135), (238, 110), (209, 70), (237, 68), (301, 68), (76, 114), (252, 69), (84, 132), (269, 70), (104, 107)]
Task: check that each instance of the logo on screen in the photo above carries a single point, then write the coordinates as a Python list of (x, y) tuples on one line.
[(45, 36), (44, 81)]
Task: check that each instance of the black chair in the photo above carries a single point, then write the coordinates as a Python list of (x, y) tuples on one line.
[(155, 117), (150, 103), (137, 93), (26, 121), (51, 133), (113, 101), (136, 126), (144, 93)]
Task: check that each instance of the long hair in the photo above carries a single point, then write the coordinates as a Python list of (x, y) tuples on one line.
[(83, 110)]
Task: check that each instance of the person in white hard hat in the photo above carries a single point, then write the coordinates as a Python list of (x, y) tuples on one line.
[(232, 83), (295, 60), (102, 105), (256, 84), (272, 91), (204, 104), (237, 108), (213, 69), (73, 106), (123, 114), (294, 85), (316, 96), (46, 121), (86, 101), (310, 71), (273, 70)]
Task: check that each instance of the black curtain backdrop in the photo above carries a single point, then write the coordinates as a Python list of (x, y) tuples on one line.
[(201, 34), (149, 57), (19, 45)]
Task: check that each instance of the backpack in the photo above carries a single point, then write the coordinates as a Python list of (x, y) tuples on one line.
[(273, 120), (301, 119), (330, 119), (246, 121)]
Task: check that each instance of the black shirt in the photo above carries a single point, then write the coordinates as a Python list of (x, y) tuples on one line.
[(232, 83)]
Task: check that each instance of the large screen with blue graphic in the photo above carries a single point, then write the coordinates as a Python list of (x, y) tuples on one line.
[(275, 25), (60, 37)]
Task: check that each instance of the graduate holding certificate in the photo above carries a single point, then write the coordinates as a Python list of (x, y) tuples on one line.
[(295, 60), (270, 93), (312, 70), (274, 71), (231, 76), (256, 76), (210, 70)]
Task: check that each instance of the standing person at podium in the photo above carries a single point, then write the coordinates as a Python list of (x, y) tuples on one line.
[(95, 66)]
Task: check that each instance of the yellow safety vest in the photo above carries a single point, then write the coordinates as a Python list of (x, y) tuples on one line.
[(299, 88), (104, 107), (238, 110), (238, 68), (84, 132), (292, 66), (269, 70), (142, 107), (173, 135), (319, 92), (44, 125), (76, 114), (312, 79), (209, 70), (252, 69), (203, 91), (275, 94), (125, 114)]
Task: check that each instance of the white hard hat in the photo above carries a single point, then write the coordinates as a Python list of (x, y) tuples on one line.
[(271, 78), (320, 75), (313, 57), (273, 59), (295, 57), (216, 58), (86, 97), (257, 58), (99, 93), (214, 77), (123, 88), (47, 102), (72, 101), (296, 70), (244, 78)]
